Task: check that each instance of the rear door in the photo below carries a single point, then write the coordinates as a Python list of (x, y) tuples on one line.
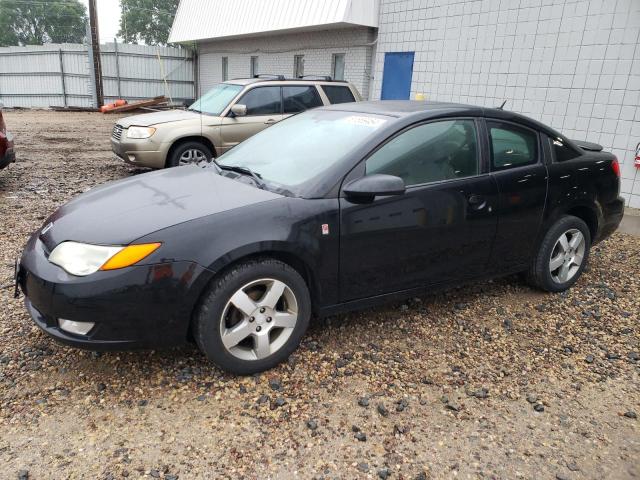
[(264, 108), (298, 98), (516, 162)]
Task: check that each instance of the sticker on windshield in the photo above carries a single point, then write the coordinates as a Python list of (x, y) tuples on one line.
[(373, 122)]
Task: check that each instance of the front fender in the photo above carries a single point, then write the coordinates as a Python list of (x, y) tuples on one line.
[(287, 228)]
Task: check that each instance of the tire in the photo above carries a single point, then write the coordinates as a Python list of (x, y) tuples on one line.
[(571, 254), (234, 337), (199, 152)]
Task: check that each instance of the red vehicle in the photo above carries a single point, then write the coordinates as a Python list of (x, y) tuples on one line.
[(7, 154)]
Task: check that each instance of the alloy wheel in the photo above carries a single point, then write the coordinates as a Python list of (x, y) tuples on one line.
[(258, 319), (567, 256), (193, 156)]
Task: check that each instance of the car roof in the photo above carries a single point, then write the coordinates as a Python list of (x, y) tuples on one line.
[(423, 110), (398, 108)]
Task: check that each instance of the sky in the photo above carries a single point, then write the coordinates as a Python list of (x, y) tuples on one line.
[(108, 18)]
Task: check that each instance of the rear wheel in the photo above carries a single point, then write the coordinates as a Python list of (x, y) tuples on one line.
[(253, 316), (190, 153), (562, 255)]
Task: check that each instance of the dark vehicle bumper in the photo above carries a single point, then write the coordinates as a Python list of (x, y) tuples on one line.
[(611, 217), (145, 306), (8, 157)]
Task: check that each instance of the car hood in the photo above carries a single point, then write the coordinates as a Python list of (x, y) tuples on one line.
[(120, 212), (156, 118)]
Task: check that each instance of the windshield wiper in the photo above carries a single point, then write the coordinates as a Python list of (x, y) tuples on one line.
[(257, 178)]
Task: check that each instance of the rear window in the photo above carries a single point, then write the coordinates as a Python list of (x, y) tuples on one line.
[(338, 94), (511, 145), (563, 152), (300, 97)]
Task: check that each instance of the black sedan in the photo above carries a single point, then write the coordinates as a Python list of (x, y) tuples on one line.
[(334, 209)]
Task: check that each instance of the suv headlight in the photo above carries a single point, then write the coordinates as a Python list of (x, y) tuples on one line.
[(140, 132), (83, 259)]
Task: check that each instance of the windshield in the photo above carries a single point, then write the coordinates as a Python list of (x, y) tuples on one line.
[(297, 149), (216, 100)]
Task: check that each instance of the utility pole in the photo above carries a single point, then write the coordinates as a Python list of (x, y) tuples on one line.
[(94, 38)]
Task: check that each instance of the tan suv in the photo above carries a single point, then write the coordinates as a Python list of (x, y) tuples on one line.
[(226, 115)]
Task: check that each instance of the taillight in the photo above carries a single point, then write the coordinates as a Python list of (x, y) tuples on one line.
[(615, 166)]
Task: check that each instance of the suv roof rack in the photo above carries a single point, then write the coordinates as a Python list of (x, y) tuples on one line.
[(275, 77), (326, 78)]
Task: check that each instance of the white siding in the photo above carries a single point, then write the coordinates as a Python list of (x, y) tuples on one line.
[(216, 19), (574, 65), (276, 52)]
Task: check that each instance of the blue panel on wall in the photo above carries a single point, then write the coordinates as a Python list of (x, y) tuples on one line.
[(396, 78)]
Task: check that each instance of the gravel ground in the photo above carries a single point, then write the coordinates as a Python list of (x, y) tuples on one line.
[(489, 381)]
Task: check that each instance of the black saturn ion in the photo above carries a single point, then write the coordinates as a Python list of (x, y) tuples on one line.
[(337, 208)]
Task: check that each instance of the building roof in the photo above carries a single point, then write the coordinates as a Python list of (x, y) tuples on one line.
[(226, 19)]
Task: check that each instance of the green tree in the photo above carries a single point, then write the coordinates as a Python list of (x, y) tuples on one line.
[(147, 21), (35, 22)]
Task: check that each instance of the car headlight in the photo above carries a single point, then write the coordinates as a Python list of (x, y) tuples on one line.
[(140, 132), (83, 259)]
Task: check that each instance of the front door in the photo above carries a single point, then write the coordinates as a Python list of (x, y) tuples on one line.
[(397, 75), (440, 230), (264, 108)]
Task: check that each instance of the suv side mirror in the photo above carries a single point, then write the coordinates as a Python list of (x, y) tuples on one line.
[(239, 110), (371, 186)]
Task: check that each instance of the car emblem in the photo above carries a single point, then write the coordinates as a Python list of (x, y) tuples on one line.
[(46, 228)]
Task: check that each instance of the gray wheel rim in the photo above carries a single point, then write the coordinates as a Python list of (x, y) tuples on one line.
[(258, 319), (567, 256), (193, 156)]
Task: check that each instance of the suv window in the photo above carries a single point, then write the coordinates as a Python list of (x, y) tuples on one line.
[(431, 152), (562, 152), (300, 97), (262, 101), (511, 145), (338, 93)]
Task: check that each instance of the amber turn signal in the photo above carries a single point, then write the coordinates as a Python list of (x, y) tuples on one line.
[(130, 255)]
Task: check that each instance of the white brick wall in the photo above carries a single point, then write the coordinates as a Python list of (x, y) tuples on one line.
[(574, 65), (275, 55)]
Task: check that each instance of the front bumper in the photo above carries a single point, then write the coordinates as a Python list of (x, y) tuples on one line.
[(143, 306), (141, 153), (9, 155)]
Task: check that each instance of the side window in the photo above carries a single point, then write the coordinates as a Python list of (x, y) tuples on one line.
[(262, 101), (562, 152), (300, 98), (511, 146), (338, 94), (431, 152)]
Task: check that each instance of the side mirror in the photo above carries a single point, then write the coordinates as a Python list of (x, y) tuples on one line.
[(371, 186), (239, 110)]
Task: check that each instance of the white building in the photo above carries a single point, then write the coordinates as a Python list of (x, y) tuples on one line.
[(572, 64)]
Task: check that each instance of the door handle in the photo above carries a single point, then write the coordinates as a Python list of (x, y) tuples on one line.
[(271, 121), (477, 202)]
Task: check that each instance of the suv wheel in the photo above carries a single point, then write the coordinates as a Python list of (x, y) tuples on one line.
[(562, 255), (190, 153), (253, 316)]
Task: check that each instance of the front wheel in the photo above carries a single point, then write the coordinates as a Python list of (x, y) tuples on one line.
[(253, 316), (190, 153), (562, 255)]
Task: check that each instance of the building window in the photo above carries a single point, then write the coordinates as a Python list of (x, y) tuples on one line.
[(225, 69), (254, 66), (298, 66), (337, 66)]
